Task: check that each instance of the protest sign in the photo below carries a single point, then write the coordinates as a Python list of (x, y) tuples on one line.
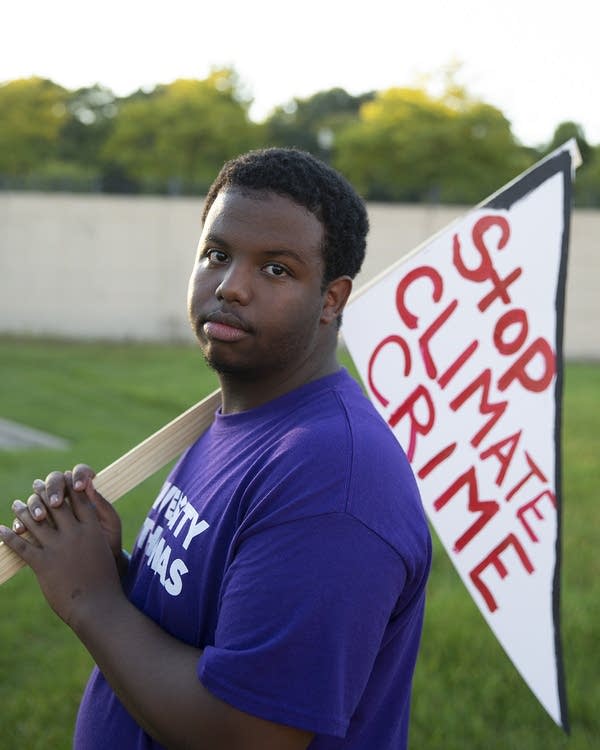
[(459, 346)]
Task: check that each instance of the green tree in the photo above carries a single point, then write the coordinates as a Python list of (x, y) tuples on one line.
[(311, 124), (408, 145), (566, 130), (587, 180), (586, 192), (176, 138), (90, 118), (33, 112)]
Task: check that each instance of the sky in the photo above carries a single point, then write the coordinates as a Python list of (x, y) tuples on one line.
[(536, 60)]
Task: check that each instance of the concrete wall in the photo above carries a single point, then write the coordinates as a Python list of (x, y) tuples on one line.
[(94, 266)]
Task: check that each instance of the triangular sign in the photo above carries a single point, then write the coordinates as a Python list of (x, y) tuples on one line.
[(459, 346)]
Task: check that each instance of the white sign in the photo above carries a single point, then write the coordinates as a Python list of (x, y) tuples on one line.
[(460, 349)]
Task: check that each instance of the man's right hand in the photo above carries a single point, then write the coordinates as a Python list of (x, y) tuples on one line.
[(55, 490)]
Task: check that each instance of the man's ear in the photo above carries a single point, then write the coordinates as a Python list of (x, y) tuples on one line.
[(336, 296)]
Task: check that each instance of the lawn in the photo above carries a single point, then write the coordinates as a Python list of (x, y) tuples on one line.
[(106, 398)]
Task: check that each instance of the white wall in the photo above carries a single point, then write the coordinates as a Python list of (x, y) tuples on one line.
[(94, 266)]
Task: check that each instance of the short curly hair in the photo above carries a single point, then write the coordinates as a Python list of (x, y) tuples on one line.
[(309, 182)]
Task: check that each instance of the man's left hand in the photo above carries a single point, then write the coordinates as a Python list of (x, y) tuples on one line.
[(69, 554)]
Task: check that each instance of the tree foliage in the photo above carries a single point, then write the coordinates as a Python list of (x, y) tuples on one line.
[(179, 135), (587, 183), (408, 145), (563, 132), (401, 144), (311, 124), (33, 113), (91, 113)]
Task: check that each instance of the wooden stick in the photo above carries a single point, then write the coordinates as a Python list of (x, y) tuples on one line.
[(139, 463)]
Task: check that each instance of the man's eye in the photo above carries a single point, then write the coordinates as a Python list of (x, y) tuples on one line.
[(274, 269), (214, 255)]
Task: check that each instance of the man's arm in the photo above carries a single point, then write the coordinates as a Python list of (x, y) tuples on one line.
[(152, 673), (154, 676)]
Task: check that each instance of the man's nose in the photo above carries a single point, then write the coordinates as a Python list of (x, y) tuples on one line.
[(236, 284)]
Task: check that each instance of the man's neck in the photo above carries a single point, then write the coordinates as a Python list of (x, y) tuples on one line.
[(241, 393)]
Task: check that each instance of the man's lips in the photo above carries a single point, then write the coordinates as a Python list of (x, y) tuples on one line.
[(222, 326)]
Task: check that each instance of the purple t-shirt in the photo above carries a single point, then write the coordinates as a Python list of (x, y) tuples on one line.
[(289, 543)]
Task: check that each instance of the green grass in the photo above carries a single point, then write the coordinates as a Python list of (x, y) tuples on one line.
[(106, 398)]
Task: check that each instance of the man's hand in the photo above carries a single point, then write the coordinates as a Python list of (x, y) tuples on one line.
[(52, 492), (69, 551)]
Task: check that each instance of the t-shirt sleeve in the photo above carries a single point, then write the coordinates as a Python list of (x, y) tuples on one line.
[(302, 616)]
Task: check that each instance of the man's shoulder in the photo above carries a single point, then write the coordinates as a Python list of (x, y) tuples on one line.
[(343, 445), (336, 404), (337, 422)]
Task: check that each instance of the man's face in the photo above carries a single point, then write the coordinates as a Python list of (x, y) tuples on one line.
[(254, 298)]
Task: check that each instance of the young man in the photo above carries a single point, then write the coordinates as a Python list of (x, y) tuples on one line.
[(275, 594)]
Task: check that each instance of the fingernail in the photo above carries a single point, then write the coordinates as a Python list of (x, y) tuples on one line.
[(79, 484), (18, 505), (17, 525), (4, 531), (54, 499), (37, 512)]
